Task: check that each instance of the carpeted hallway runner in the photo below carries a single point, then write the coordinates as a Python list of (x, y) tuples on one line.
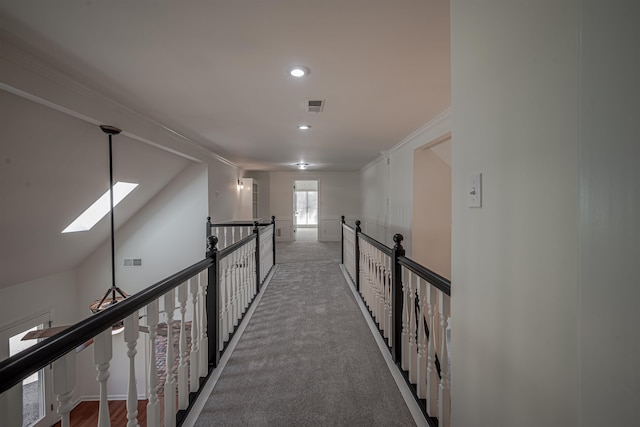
[(307, 357)]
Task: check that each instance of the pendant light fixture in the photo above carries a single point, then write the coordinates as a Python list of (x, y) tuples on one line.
[(114, 294)]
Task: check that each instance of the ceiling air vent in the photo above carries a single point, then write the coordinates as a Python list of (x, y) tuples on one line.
[(315, 106)]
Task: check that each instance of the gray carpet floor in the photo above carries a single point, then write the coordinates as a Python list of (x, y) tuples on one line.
[(307, 357)]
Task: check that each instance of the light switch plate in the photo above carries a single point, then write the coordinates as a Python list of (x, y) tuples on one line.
[(474, 191)]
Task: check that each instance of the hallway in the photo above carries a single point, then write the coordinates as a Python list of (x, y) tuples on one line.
[(307, 356)]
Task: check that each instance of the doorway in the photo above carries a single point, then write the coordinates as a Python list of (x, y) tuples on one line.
[(305, 209), (431, 228)]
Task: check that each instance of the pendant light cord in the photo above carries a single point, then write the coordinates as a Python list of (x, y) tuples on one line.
[(113, 250)]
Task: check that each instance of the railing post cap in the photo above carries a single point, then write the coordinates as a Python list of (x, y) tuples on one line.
[(208, 219), (212, 241), (398, 238), (358, 222), (342, 217)]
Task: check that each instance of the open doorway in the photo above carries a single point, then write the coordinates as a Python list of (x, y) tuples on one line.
[(431, 229), (305, 209)]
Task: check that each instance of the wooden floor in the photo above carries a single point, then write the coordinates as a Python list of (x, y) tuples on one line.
[(86, 413)]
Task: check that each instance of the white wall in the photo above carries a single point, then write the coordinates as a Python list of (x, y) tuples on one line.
[(339, 194), (168, 235), (387, 188), (514, 263), (609, 214)]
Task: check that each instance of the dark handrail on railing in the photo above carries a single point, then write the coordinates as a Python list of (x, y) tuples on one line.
[(442, 283), (25, 363), (398, 260), (381, 246), (254, 224), (16, 368)]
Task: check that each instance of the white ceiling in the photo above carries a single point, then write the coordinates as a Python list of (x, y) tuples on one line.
[(53, 167), (216, 71)]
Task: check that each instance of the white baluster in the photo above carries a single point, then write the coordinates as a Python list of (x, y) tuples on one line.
[(183, 388), (194, 357), (228, 300), (153, 406), (170, 384), (225, 238), (444, 396), (432, 373), (102, 353), (131, 333), (380, 271), (413, 350), (392, 339), (64, 381), (204, 339), (422, 339), (223, 304), (405, 321), (233, 235)]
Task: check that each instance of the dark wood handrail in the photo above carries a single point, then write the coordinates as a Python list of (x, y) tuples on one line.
[(25, 363), (381, 246), (443, 284), (222, 253)]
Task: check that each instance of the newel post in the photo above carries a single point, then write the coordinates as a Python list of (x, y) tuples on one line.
[(396, 277), (273, 237), (256, 231), (212, 305), (208, 231), (357, 254), (342, 239)]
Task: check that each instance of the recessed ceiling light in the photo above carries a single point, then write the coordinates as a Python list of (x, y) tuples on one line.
[(298, 71), (304, 127), (302, 165)]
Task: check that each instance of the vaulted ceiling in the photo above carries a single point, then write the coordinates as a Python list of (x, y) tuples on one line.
[(216, 71)]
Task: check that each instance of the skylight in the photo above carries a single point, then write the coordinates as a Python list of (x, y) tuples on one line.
[(100, 208)]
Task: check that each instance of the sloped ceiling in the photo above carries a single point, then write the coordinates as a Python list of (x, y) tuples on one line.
[(216, 71), (53, 167)]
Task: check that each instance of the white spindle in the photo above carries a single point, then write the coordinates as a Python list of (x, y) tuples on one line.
[(153, 406), (131, 333), (421, 386), (223, 304), (233, 279), (432, 373), (203, 278), (380, 284), (64, 381), (387, 300), (413, 350), (405, 321), (102, 353), (444, 396), (194, 357), (183, 389), (170, 384)]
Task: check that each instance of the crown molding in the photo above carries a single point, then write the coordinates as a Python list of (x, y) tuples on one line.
[(430, 126)]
